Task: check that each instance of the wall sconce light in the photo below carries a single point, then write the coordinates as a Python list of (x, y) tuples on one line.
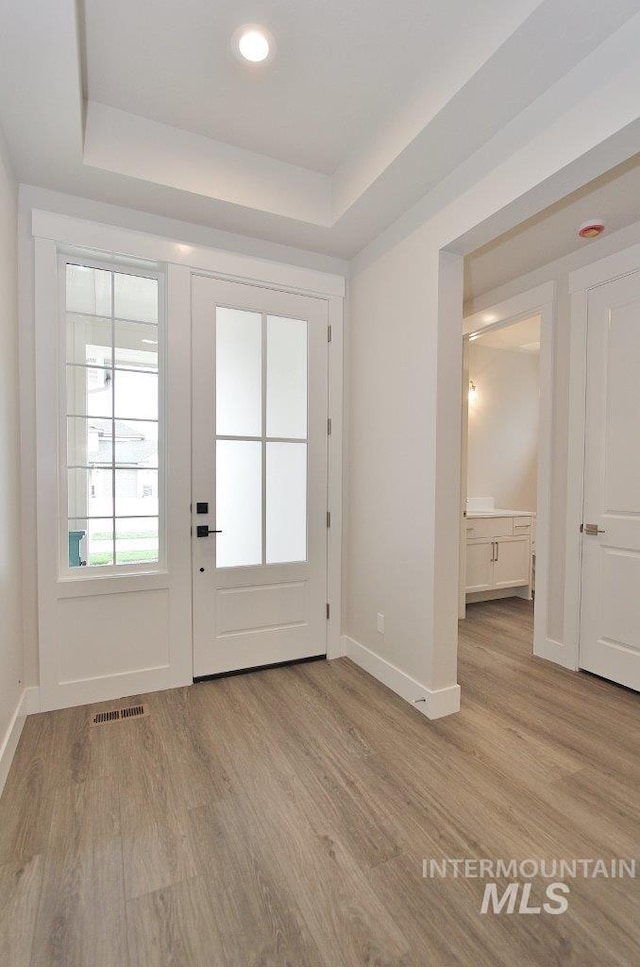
[(473, 392)]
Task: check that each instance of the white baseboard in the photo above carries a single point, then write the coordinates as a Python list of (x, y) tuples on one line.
[(11, 737), (434, 703), (28, 703), (556, 652)]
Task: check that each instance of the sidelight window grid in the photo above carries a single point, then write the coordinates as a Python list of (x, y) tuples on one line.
[(112, 484)]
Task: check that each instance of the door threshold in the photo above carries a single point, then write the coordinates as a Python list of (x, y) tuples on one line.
[(258, 668)]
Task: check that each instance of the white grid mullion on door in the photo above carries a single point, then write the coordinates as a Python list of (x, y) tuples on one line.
[(113, 413), (269, 439), (263, 441)]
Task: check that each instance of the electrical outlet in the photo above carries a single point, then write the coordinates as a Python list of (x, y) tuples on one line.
[(380, 623)]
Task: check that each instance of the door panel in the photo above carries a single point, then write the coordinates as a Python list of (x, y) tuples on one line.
[(260, 462), (610, 610), (480, 566), (512, 563)]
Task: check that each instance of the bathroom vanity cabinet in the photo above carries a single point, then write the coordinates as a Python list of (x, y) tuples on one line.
[(498, 553)]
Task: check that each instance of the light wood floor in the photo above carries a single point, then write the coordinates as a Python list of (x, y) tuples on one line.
[(281, 818)]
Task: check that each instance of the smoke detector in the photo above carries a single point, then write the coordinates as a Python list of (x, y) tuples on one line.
[(592, 228)]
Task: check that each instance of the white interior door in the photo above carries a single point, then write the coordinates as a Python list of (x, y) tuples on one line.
[(610, 611), (259, 476)]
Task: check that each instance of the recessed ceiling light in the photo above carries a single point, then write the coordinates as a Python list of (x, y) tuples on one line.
[(252, 43)]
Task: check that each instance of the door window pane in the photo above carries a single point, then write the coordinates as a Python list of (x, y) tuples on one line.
[(238, 373), (136, 443), (90, 492), (136, 346), (136, 395), (136, 540), (90, 542), (136, 492), (88, 290), (238, 503), (135, 298), (286, 502), (89, 391), (89, 340), (286, 378), (88, 441)]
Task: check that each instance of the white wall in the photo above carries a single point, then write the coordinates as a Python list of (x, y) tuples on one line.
[(503, 426), (390, 523), (405, 372), (11, 657), (558, 272)]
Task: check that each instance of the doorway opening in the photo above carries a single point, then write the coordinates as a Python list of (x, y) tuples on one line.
[(500, 479), (505, 465)]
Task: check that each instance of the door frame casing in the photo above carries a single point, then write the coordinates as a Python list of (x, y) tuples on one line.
[(335, 412), (207, 291), (539, 300), (581, 281), (52, 231)]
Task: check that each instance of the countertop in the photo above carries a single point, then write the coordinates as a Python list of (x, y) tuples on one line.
[(475, 514)]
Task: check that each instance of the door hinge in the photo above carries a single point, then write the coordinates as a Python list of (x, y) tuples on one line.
[(328, 611), (328, 518), (329, 427), (328, 333)]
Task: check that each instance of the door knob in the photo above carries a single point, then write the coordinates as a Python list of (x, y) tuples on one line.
[(203, 530)]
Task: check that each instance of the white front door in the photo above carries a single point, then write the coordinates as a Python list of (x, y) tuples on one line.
[(259, 476), (610, 618)]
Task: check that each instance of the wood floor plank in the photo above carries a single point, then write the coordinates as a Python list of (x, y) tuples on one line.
[(334, 778), (280, 819), (174, 927), (20, 885), (343, 915), (156, 848), (81, 915), (243, 889)]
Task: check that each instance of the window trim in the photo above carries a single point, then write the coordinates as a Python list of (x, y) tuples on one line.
[(66, 573)]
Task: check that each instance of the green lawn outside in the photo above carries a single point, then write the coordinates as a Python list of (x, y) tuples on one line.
[(124, 535), (124, 557)]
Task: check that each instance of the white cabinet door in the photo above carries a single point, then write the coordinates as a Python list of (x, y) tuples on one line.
[(512, 563), (480, 566), (610, 618), (259, 476)]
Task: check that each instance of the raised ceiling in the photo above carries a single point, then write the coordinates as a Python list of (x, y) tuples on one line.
[(367, 107), (343, 72)]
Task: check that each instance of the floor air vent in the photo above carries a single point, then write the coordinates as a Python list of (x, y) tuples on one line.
[(132, 712), (118, 714)]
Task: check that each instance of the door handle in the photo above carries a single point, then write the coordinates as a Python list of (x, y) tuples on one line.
[(203, 530), (592, 530), (497, 550), (493, 552)]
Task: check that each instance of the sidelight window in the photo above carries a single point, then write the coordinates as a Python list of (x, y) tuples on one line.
[(112, 416)]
